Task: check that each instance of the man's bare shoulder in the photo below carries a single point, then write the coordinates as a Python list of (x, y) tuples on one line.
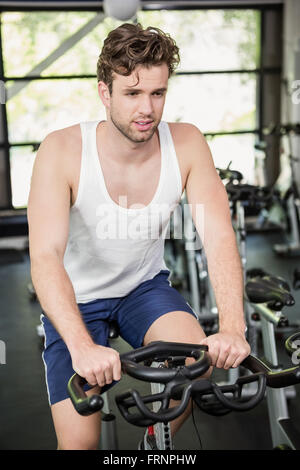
[(182, 126), (61, 151), (66, 137), (63, 148), (185, 133), (188, 140)]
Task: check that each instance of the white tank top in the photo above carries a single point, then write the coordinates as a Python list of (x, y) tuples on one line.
[(112, 249)]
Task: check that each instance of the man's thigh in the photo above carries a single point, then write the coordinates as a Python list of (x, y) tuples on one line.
[(176, 326), (147, 304)]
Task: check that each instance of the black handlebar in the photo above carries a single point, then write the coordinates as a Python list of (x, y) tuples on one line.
[(283, 378), (84, 405), (156, 351), (159, 351), (174, 354), (180, 382)]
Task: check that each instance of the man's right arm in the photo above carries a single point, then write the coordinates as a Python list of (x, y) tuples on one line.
[(48, 221)]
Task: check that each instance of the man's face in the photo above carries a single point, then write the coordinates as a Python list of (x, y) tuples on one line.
[(136, 108)]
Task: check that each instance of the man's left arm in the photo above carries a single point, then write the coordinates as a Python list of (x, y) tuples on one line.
[(205, 191)]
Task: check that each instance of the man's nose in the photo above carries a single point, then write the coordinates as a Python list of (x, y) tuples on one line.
[(146, 105)]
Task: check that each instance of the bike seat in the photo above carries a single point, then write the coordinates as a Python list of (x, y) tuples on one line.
[(269, 289), (231, 175)]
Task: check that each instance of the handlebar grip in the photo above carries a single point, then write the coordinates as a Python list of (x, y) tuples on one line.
[(84, 404)]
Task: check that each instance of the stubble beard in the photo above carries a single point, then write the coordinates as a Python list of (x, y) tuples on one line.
[(134, 136)]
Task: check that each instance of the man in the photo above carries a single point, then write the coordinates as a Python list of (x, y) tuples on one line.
[(93, 259)]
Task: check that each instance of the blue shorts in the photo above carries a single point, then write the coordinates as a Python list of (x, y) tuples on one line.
[(134, 314)]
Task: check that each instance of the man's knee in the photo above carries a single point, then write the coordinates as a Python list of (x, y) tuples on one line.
[(176, 326)]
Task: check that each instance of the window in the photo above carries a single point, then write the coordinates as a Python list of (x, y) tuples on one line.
[(50, 58)]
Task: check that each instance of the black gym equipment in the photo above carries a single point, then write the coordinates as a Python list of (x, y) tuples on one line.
[(182, 382), (290, 200)]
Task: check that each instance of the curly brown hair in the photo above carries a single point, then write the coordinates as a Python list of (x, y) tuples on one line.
[(130, 45)]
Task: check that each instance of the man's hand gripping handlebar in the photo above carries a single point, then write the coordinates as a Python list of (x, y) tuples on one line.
[(174, 354)]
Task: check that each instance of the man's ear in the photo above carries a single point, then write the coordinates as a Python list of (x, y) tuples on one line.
[(104, 94)]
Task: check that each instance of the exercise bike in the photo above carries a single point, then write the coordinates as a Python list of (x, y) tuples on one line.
[(291, 197), (268, 295), (192, 264), (243, 197), (181, 383), (265, 297)]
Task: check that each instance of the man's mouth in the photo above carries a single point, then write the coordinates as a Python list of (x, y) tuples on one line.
[(143, 125)]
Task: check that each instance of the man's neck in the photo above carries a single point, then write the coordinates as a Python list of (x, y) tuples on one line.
[(121, 150)]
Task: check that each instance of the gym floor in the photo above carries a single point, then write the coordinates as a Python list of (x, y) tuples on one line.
[(25, 415)]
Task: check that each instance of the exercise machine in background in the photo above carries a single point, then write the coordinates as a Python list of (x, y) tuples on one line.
[(288, 186), (268, 296)]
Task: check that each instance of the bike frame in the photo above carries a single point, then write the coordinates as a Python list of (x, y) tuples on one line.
[(280, 424)]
